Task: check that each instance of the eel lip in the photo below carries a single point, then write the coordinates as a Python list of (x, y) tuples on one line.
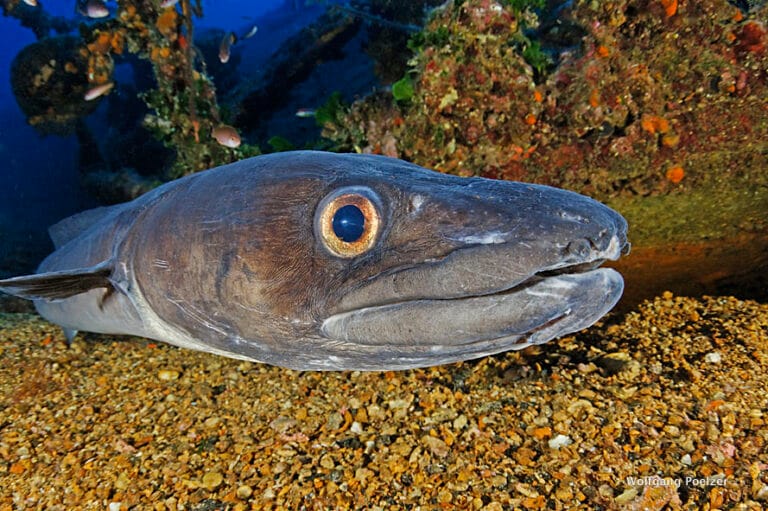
[(420, 333), (555, 300)]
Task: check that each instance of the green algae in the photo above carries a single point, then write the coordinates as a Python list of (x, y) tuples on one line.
[(402, 90)]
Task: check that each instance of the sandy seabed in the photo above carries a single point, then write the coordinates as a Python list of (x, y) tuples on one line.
[(662, 408)]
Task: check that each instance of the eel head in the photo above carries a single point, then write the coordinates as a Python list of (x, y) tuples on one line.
[(403, 267)]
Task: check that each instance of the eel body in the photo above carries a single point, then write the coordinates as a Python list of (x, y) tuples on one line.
[(320, 261)]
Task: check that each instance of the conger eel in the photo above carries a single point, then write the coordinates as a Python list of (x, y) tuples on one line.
[(321, 261)]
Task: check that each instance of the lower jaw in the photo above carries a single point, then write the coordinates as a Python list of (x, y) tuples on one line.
[(540, 309)]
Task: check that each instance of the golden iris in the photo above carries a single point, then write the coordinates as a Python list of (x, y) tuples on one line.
[(348, 221)]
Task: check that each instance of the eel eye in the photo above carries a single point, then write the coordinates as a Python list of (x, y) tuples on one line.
[(348, 221)]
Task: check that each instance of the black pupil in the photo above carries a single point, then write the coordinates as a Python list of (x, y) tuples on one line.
[(348, 223)]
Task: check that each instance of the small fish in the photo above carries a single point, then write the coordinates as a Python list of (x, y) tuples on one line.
[(168, 3), (306, 112), (225, 48), (320, 261), (250, 33), (98, 91), (32, 3), (93, 9), (226, 136)]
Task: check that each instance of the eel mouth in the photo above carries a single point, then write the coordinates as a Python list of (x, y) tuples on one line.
[(569, 269), (485, 315)]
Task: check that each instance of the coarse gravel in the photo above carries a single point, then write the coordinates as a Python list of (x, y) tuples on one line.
[(662, 408)]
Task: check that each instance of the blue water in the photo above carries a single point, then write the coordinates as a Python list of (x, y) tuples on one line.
[(39, 181)]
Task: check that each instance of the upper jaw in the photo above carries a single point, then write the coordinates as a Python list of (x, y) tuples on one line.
[(487, 237), (486, 264)]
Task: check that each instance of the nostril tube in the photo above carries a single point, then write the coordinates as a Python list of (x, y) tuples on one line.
[(602, 240), (579, 249)]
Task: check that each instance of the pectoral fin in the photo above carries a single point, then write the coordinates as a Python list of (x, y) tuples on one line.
[(57, 285), (70, 334)]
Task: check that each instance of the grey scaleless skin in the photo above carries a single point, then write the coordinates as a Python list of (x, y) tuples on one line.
[(320, 261)]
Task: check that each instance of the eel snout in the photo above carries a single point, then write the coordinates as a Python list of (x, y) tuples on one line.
[(502, 290)]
